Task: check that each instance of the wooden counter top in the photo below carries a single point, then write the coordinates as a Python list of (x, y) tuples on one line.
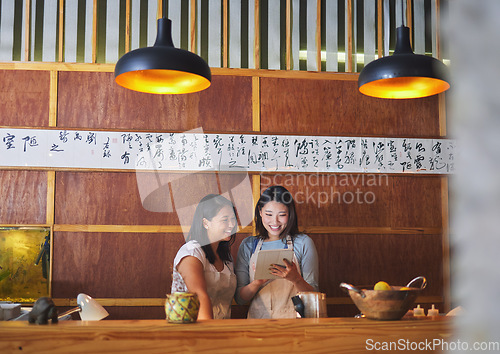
[(326, 335)]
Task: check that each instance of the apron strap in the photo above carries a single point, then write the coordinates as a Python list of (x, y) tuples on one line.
[(289, 242), (255, 242)]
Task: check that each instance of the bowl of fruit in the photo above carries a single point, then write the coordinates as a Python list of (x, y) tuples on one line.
[(383, 301)]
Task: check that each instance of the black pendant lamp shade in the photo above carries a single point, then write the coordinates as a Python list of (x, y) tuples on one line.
[(404, 74), (162, 68)]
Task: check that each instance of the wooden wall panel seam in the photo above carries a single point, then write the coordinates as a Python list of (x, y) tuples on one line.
[(53, 88), (446, 244), (51, 183), (110, 68), (278, 173), (247, 229)]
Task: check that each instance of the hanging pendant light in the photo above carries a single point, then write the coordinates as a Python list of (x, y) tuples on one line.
[(162, 68), (404, 74)]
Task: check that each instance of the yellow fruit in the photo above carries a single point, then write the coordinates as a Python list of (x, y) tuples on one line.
[(382, 285), (405, 288)]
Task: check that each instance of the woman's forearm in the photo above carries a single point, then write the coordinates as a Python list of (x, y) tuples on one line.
[(205, 312), (302, 285), (248, 291)]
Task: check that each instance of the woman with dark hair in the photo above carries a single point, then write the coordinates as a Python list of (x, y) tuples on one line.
[(277, 228), (203, 265)]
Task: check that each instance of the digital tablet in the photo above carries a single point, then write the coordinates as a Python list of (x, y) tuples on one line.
[(267, 257)]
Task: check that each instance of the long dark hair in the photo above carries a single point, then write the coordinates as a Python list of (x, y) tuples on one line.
[(208, 207), (281, 195)]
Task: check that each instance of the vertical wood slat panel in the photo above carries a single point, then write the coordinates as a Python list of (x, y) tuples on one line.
[(94, 32), (61, 31), (408, 10), (318, 35), (159, 9), (27, 30), (348, 57), (408, 19), (387, 27), (225, 34), (295, 33), (127, 26), (380, 38), (437, 32), (192, 26), (288, 35), (256, 49)]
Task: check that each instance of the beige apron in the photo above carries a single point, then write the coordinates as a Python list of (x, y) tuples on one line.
[(273, 300), (220, 289)]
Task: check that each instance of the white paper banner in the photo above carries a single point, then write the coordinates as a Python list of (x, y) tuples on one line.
[(223, 152)]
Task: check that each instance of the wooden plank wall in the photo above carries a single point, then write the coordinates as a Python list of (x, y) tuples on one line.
[(106, 245)]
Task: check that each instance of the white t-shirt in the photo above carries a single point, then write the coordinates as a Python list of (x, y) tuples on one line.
[(220, 285)]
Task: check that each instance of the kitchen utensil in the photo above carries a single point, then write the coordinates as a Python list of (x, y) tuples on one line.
[(310, 304), (298, 305), (182, 307), (385, 304)]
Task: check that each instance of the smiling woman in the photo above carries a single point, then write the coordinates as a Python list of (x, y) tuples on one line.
[(203, 265), (277, 228)]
